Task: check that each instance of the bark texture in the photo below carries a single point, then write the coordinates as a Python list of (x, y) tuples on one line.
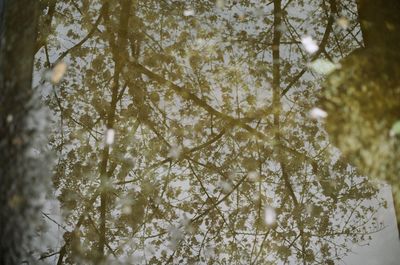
[(18, 174)]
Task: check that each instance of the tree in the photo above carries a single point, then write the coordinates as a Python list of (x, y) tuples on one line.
[(181, 124), (364, 95), (21, 176)]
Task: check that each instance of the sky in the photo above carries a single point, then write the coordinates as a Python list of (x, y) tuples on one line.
[(384, 248)]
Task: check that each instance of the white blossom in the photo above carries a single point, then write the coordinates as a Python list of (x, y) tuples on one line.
[(188, 12), (269, 215), (126, 209), (323, 67), (176, 235), (9, 118), (343, 22), (58, 72), (225, 186), (317, 113), (175, 152), (309, 44), (395, 129), (252, 176), (110, 135)]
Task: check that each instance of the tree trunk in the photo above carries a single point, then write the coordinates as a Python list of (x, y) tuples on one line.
[(364, 96), (380, 23), (18, 20), (380, 26)]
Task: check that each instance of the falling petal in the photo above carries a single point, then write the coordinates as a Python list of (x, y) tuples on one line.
[(175, 235), (317, 113), (110, 135), (175, 152), (185, 220), (282, 28), (187, 225), (309, 44), (225, 186), (395, 129), (343, 22), (323, 67), (58, 72), (252, 176), (188, 12), (9, 118), (269, 215), (127, 209)]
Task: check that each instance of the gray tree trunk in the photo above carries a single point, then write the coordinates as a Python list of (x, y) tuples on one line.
[(18, 177)]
